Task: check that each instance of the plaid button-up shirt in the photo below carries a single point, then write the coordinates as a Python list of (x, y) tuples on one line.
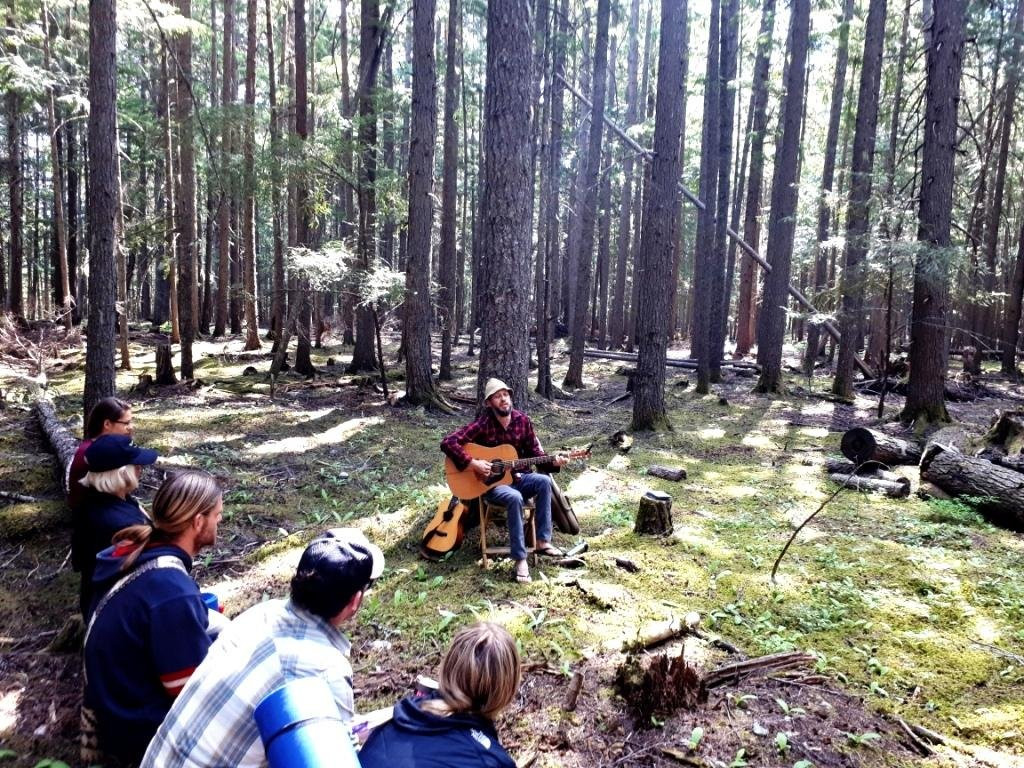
[(211, 722), (487, 430)]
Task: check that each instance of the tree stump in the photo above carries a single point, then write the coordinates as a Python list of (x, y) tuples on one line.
[(654, 515), (164, 366), (656, 685), (861, 444), (1001, 490)]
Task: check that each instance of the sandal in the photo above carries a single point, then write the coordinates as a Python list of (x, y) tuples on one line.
[(550, 550), (521, 576)]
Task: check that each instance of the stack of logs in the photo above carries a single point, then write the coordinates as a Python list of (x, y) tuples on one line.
[(993, 478)]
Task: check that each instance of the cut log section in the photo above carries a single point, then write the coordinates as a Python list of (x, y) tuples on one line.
[(895, 489), (654, 515), (667, 473), (861, 444), (1000, 490), (843, 467)]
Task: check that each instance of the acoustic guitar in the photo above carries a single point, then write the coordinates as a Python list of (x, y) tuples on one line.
[(445, 531), (465, 484)]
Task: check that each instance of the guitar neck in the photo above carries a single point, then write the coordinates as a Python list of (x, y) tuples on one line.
[(519, 464)]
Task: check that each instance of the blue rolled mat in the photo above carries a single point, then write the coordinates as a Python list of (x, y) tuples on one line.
[(301, 727)]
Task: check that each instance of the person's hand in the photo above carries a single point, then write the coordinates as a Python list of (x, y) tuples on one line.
[(560, 460), (481, 468)]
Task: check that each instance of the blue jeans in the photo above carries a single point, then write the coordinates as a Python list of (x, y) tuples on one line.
[(529, 485)]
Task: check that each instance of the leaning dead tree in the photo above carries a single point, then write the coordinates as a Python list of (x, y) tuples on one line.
[(746, 247)]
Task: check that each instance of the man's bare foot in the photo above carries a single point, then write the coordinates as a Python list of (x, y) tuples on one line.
[(523, 572)]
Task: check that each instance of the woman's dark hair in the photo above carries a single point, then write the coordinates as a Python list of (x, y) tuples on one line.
[(109, 408)]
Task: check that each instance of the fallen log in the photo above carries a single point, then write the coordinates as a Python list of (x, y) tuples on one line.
[(775, 662), (671, 362), (894, 489), (836, 466), (999, 491), (667, 473), (64, 444), (861, 444)]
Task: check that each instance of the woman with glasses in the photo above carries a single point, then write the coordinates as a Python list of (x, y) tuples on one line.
[(110, 416)]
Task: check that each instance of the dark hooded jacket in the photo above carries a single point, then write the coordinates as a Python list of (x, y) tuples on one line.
[(418, 739), (144, 644)]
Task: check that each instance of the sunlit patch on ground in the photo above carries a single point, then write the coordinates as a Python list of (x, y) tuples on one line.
[(302, 443), (757, 440), (711, 433), (9, 708)]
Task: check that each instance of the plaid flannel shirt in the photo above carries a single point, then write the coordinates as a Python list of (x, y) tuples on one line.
[(211, 722), (487, 430)]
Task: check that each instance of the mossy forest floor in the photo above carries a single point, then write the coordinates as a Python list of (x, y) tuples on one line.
[(913, 609)]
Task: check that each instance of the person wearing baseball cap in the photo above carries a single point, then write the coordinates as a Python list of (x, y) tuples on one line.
[(500, 424), (115, 465), (266, 647)]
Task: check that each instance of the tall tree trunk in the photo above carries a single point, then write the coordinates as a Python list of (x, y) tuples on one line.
[(102, 195), (727, 108), (655, 256), (370, 33), (599, 326), (186, 208), (574, 228), (71, 132), (928, 338), (227, 99), (303, 317), (420, 389), (616, 320), (574, 374), (858, 231), (15, 190), (58, 185), (552, 179), (1005, 129), (705, 257), (278, 293), (252, 331), (447, 267), (206, 316), (123, 271), (782, 220), (505, 230), (746, 314), (827, 179)]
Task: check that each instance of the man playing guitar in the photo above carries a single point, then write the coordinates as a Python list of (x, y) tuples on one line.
[(500, 424)]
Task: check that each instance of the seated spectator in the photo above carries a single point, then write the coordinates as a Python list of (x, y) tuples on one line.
[(110, 416), (148, 630), (115, 466), (273, 643), (454, 728)]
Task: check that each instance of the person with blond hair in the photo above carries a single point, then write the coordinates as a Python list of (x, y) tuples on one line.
[(454, 728), (115, 465), (148, 630)]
